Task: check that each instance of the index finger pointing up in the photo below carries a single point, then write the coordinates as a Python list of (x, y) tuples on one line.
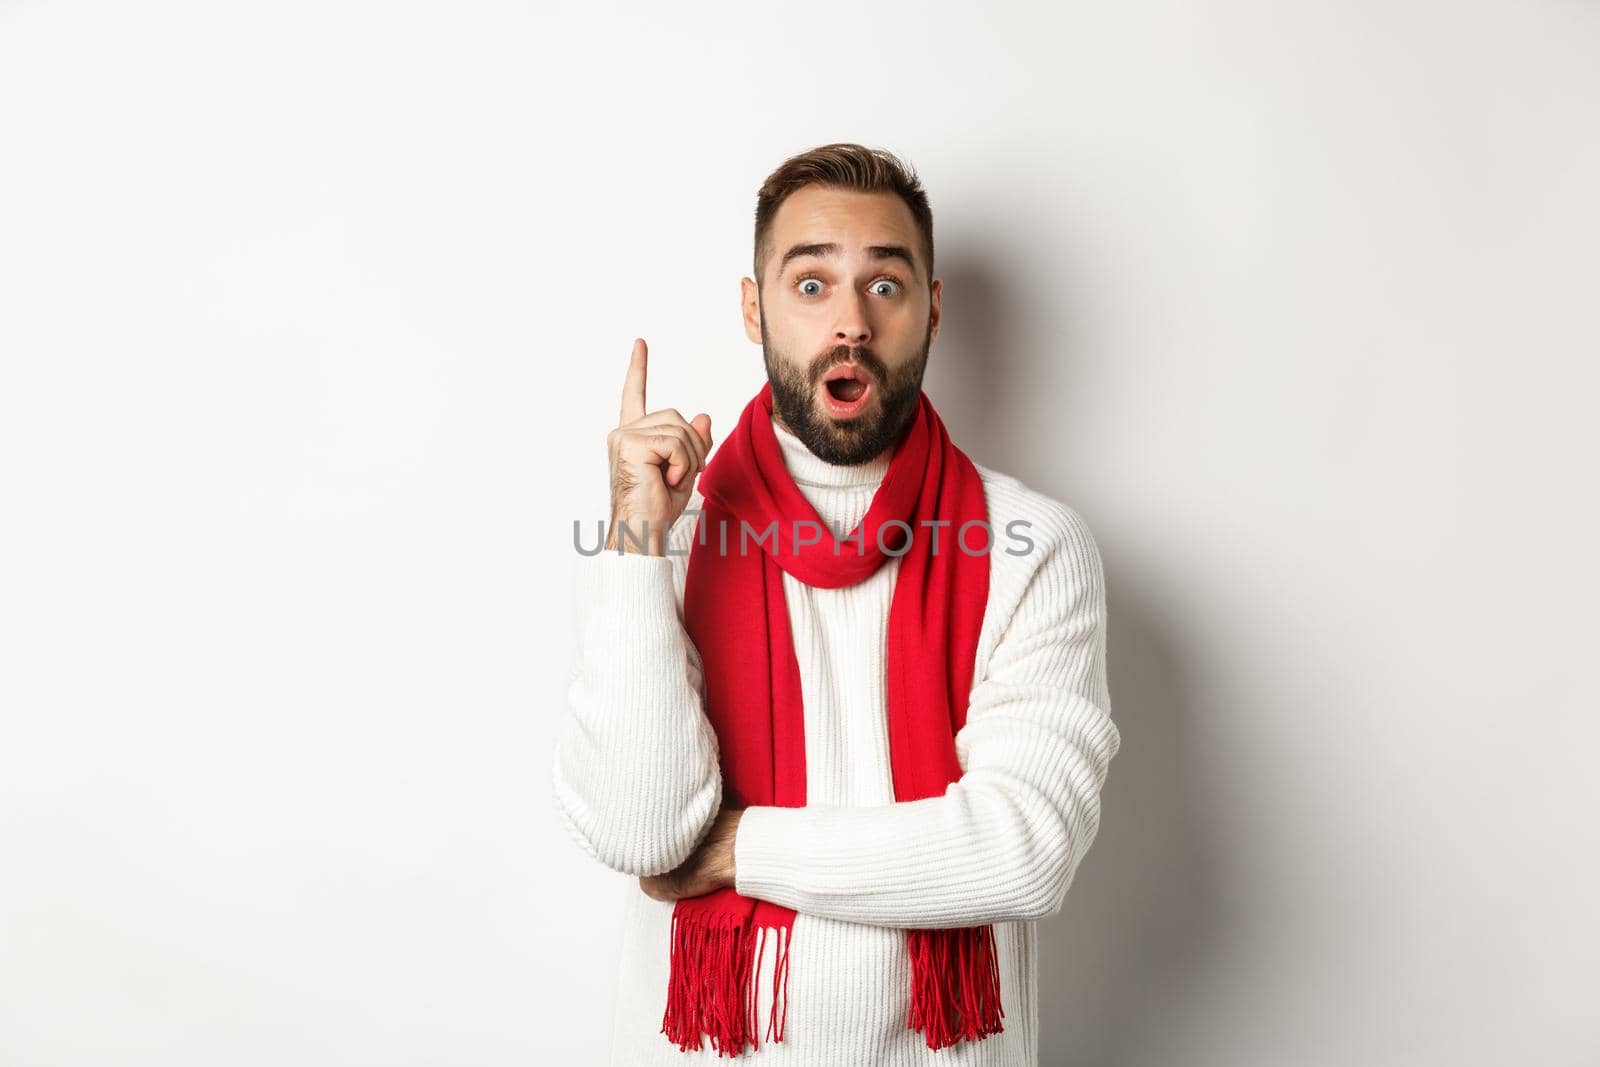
[(633, 385)]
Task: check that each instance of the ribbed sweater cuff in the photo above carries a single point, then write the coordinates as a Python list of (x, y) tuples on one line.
[(631, 591), (759, 850)]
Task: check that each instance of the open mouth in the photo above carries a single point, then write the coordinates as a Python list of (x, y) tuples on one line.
[(846, 389)]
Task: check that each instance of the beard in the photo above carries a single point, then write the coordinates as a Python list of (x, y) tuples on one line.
[(845, 442)]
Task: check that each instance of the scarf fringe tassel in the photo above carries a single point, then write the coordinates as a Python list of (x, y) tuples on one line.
[(716, 968), (955, 984)]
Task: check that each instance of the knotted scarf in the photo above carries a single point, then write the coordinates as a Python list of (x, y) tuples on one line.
[(756, 526)]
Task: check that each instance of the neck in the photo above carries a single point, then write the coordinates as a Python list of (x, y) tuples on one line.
[(840, 494), (809, 469)]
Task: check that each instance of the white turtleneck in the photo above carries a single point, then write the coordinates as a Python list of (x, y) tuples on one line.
[(637, 781)]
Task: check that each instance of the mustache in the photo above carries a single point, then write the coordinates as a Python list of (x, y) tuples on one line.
[(860, 355)]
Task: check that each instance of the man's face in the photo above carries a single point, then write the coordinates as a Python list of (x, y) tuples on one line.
[(844, 294)]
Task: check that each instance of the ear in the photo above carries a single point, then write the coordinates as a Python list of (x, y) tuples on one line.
[(750, 308), (934, 293)]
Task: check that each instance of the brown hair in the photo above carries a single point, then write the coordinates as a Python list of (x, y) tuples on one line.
[(843, 166)]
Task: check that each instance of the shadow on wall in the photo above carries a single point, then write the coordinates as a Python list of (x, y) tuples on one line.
[(1143, 916)]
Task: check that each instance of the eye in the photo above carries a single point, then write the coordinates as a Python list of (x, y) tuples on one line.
[(810, 281), (889, 282)]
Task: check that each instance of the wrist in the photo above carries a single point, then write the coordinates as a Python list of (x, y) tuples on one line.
[(730, 870), (642, 537)]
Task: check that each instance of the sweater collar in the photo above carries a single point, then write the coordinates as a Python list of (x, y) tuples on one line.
[(807, 468)]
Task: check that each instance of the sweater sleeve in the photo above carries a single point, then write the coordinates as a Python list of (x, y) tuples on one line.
[(636, 778), (1003, 842)]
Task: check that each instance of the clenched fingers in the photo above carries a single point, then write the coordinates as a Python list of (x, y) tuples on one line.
[(662, 443), (672, 417)]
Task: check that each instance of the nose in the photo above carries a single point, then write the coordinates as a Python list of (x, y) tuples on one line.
[(852, 327)]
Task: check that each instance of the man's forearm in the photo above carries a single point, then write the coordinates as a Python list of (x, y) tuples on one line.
[(983, 852), (636, 775)]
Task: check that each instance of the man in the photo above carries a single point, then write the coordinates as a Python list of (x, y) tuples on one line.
[(852, 752)]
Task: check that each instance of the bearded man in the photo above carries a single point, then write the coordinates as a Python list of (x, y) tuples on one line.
[(847, 722)]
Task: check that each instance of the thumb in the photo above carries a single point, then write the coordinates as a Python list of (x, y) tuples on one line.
[(702, 426)]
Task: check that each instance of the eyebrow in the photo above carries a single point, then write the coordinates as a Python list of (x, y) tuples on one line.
[(832, 248)]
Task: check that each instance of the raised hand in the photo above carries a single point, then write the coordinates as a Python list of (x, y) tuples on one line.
[(655, 458)]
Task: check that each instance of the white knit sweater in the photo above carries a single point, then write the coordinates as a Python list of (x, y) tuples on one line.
[(637, 781)]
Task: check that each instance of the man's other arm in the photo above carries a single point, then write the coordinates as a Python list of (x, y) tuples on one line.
[(636, 776), (1003, 842)]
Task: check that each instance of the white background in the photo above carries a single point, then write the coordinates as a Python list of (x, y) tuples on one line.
[(313, 319)]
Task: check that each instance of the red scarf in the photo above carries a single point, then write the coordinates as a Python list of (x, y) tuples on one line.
[(735, 613)]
